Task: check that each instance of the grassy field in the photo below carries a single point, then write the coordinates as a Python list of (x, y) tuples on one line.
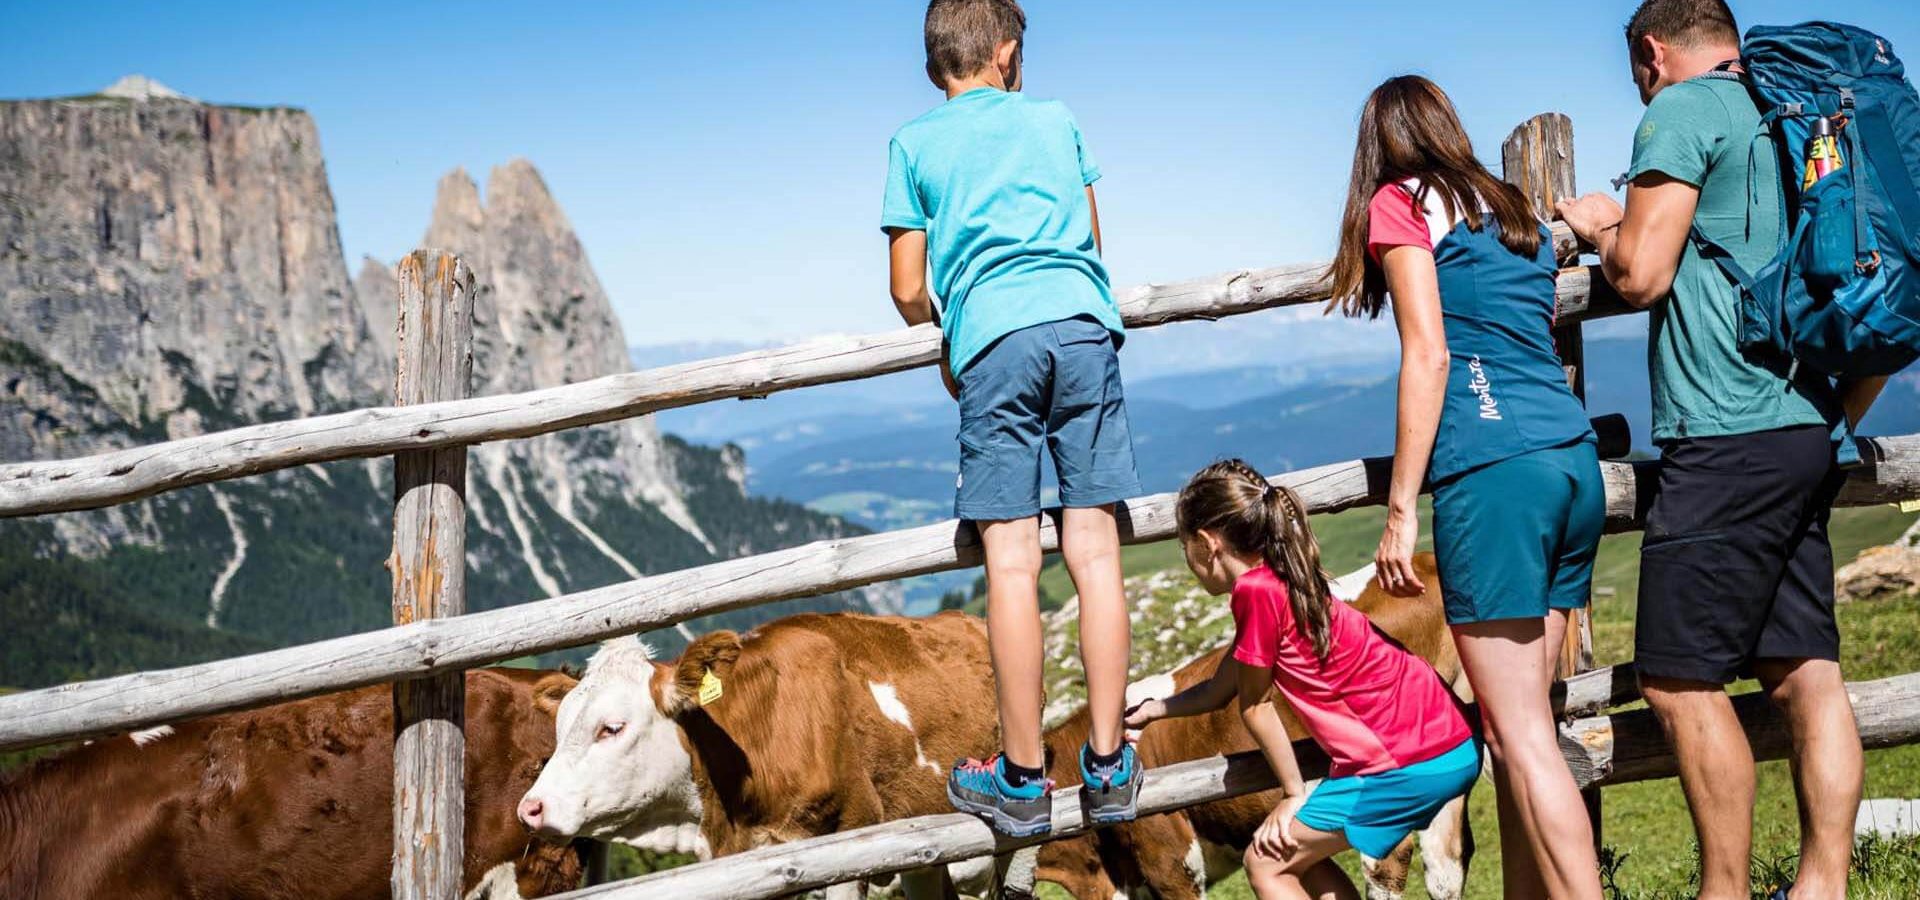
[(1646, 825)]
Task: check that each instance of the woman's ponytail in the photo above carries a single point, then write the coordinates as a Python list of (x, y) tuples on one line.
[(1254, 517)]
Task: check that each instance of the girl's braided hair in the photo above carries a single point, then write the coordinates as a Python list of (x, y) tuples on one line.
[(1254, 517)]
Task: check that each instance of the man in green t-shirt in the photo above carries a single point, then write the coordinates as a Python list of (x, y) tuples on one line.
[(1736, 573)]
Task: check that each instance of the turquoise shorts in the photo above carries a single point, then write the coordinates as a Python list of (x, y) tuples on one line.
[(1376, 812), (1517, 538)]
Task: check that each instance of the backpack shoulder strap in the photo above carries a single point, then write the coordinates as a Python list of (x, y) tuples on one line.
[(1710, 249)]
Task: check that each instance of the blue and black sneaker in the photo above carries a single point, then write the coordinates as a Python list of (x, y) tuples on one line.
[(1112, 793), (980, 787)]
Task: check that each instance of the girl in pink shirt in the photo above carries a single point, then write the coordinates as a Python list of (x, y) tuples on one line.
[(1399, 746)]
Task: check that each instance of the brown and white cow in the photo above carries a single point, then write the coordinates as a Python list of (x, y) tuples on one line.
[(807, 725), (293, 800), (1179, 855)]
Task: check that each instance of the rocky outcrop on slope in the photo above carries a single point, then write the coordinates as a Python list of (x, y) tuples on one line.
[(1886, 571)]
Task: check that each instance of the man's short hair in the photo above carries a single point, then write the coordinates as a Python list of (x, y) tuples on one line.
[(962, 35), (1684, 23)]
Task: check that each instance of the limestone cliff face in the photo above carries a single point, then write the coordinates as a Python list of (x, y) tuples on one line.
[(181, 260), (170, 267)]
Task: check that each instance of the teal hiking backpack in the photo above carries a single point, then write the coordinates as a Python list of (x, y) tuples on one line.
[(1842, 294)]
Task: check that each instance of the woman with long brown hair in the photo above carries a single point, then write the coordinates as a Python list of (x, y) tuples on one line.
[(1485, 416)]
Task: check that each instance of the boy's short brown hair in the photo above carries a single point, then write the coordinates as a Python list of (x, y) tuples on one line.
[(962, 35), (1684, 23)]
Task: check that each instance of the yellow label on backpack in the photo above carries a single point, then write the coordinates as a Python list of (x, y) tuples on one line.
[(710, 689), (1910, 506)]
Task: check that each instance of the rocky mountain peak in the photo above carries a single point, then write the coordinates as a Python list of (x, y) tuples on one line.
[(142, 89)]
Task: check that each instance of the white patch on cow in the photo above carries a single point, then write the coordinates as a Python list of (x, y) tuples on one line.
[(1196, 866), (888, 699), (1441, 849), (1152, 687), (1350, 586), (500, 883), (1370, 867), (147, 736), (625, 786)]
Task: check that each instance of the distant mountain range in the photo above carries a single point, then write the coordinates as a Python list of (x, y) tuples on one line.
[(882, 452)]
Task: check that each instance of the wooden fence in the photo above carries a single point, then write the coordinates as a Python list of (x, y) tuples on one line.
[(431, 641)]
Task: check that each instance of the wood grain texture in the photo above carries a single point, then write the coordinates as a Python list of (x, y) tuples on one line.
[(120, 476), (1603, 750), (103, 706), (429, 565)]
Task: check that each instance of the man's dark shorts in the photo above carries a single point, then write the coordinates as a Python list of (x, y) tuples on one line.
[(1736, 566), (1057, 383)]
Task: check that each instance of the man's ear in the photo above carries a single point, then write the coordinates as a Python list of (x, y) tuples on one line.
[(712, 655), (550, 690)]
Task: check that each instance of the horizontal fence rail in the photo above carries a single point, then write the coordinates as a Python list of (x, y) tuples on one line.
[(90, 708), (120, 476), (1602, 750)]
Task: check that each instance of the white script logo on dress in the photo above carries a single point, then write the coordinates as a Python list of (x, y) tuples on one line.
[(1484, 388)]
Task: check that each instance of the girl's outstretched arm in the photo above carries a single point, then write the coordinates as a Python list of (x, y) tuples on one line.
[(1275, 837), (1414, 284), (1202, 698)]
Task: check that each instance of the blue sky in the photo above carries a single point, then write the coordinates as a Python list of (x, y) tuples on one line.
[(723, 160)]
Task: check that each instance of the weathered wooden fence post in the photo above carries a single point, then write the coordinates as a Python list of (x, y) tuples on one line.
[(1538, 158), (429, 580)]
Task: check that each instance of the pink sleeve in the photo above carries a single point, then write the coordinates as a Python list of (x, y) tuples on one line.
[(1256, 632), (1395, 220)]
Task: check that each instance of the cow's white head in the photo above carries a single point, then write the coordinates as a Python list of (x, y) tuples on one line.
[(619, 769)]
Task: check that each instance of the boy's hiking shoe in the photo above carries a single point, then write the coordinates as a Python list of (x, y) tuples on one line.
[(980, 787), (1111, 794)]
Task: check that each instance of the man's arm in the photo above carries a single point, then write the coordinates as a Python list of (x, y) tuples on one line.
[(1639, 247), (907, 256)]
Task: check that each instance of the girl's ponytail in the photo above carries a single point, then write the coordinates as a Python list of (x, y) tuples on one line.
[(1233, 500), (1292, 553)]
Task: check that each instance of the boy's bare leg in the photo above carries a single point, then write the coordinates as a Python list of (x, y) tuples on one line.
[(1013, 633), (1090, 542), (1716, 772), (1827, 768)]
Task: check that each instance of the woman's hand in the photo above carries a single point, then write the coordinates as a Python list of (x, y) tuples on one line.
[(1145, 713), (1275, 836), (1393, 562)]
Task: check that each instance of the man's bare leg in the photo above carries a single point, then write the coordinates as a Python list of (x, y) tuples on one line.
[(1828, 767), (1716, 772)]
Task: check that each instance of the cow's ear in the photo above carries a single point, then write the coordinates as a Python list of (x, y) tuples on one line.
[(550, 690), (707, 661)]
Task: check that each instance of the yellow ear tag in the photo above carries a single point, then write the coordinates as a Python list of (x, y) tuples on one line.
[(710, 689)]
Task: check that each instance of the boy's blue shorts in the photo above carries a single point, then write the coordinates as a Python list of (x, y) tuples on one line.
[(1058, 382), (1378, 811), (1518, 537)]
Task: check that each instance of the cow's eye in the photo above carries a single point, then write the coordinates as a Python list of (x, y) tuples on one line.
[(609, 729)]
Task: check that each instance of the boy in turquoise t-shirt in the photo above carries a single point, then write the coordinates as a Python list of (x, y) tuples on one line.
[(993, 192)]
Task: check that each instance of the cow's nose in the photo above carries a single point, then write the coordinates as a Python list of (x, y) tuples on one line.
[(532, 811)]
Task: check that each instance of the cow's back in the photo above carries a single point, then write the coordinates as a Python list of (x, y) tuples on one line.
[(833, 721), (289, 800)]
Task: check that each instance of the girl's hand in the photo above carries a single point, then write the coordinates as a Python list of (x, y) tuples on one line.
[(1393, 562), (1275, 838), (1145, 713)]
